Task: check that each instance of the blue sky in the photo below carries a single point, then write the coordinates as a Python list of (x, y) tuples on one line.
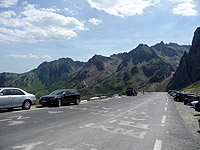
[(34, 31)]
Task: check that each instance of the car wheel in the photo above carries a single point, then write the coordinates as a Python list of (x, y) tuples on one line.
[(77, 102), (59, 102), (26, 105)]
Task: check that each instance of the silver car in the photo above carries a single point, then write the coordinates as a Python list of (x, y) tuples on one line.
[(15, 97)]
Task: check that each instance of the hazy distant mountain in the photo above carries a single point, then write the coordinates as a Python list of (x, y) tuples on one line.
[(141, 67), (188, 71)]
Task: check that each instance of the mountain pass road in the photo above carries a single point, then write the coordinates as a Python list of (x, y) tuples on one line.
[(145, 122)]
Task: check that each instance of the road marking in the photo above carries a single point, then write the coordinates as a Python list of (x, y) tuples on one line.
[(134, 124), (163, 119), (112, 121), (5, 120), (28, 146), (54, 112), (158, 145), (87, 125), (166, 103), (165, 108), (16, 122)]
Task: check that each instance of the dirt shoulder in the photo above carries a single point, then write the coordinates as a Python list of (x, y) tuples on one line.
[(190, 117)]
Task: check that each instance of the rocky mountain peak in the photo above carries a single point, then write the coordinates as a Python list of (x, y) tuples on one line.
[(196, 41), (188, 71)]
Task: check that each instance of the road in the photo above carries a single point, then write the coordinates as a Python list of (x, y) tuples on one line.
[(146, 122)]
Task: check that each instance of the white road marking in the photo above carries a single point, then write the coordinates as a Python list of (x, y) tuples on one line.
[(138, 119), (158, 145), (19, 117), (55, 112), (16, 122), (87, 125), (112, 121), (163, 119), (5, 120), (134, 124), (28, 146), (166, 103), (165, 108)]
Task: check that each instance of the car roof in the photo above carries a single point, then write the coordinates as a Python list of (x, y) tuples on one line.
[(8, 88)]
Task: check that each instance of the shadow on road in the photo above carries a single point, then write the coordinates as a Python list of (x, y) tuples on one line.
[(9, 110)]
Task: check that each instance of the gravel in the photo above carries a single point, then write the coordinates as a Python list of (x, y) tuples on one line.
[(190, 117)]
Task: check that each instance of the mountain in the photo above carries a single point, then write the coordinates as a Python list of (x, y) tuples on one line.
[(142, 67), (44, 77), (188, 71), (170, 53)]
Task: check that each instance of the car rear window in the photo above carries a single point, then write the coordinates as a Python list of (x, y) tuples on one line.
[(190, 97)]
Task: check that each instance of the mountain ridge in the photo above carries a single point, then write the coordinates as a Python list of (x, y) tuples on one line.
[(139, 67)]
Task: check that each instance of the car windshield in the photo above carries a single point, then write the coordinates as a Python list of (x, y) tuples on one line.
[(57, 92), (190, 97)]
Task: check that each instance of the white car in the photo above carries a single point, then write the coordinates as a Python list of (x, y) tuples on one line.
[(15, 97), (194, 103)]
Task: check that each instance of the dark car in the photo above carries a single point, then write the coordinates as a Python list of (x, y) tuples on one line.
[(131, 92), (180, 97), (60, 97), (197, 106), (173, 93), (190, 98)]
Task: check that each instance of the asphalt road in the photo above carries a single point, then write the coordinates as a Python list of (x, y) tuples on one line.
[(146, 122)]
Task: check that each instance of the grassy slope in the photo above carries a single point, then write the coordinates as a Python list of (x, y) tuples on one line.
[(194, 88)]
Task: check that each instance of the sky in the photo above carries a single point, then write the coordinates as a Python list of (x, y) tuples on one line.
[(34, 31)]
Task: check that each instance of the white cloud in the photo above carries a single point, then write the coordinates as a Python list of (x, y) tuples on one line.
[(8, 3), (122, 8), (34, 25), (45, 57), (30, 56), (185, 8), (7, 14), (95, 21), (16, 56)]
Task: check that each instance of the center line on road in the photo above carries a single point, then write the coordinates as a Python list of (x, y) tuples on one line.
[(163, 119), (165, 108), (158, 145), (166, 103)]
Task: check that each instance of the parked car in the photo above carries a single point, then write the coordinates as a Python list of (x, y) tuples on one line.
[(190, 98), (197, 106), (15, 97), (173, 93), (180, 97), (131, 92), (194, 103), (60, 97)]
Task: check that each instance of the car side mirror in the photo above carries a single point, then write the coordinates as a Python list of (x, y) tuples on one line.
[(64, 94)]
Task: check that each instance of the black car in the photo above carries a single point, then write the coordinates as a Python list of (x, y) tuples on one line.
[(180, 97), (197, 107), (190, 98), (60, 97), (131, 92)]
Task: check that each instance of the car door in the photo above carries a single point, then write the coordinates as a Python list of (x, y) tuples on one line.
[(17, 97), (5, 98), (66, 97), (73, 95)]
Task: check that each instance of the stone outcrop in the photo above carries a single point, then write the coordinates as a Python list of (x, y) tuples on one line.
[(188, 71)]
